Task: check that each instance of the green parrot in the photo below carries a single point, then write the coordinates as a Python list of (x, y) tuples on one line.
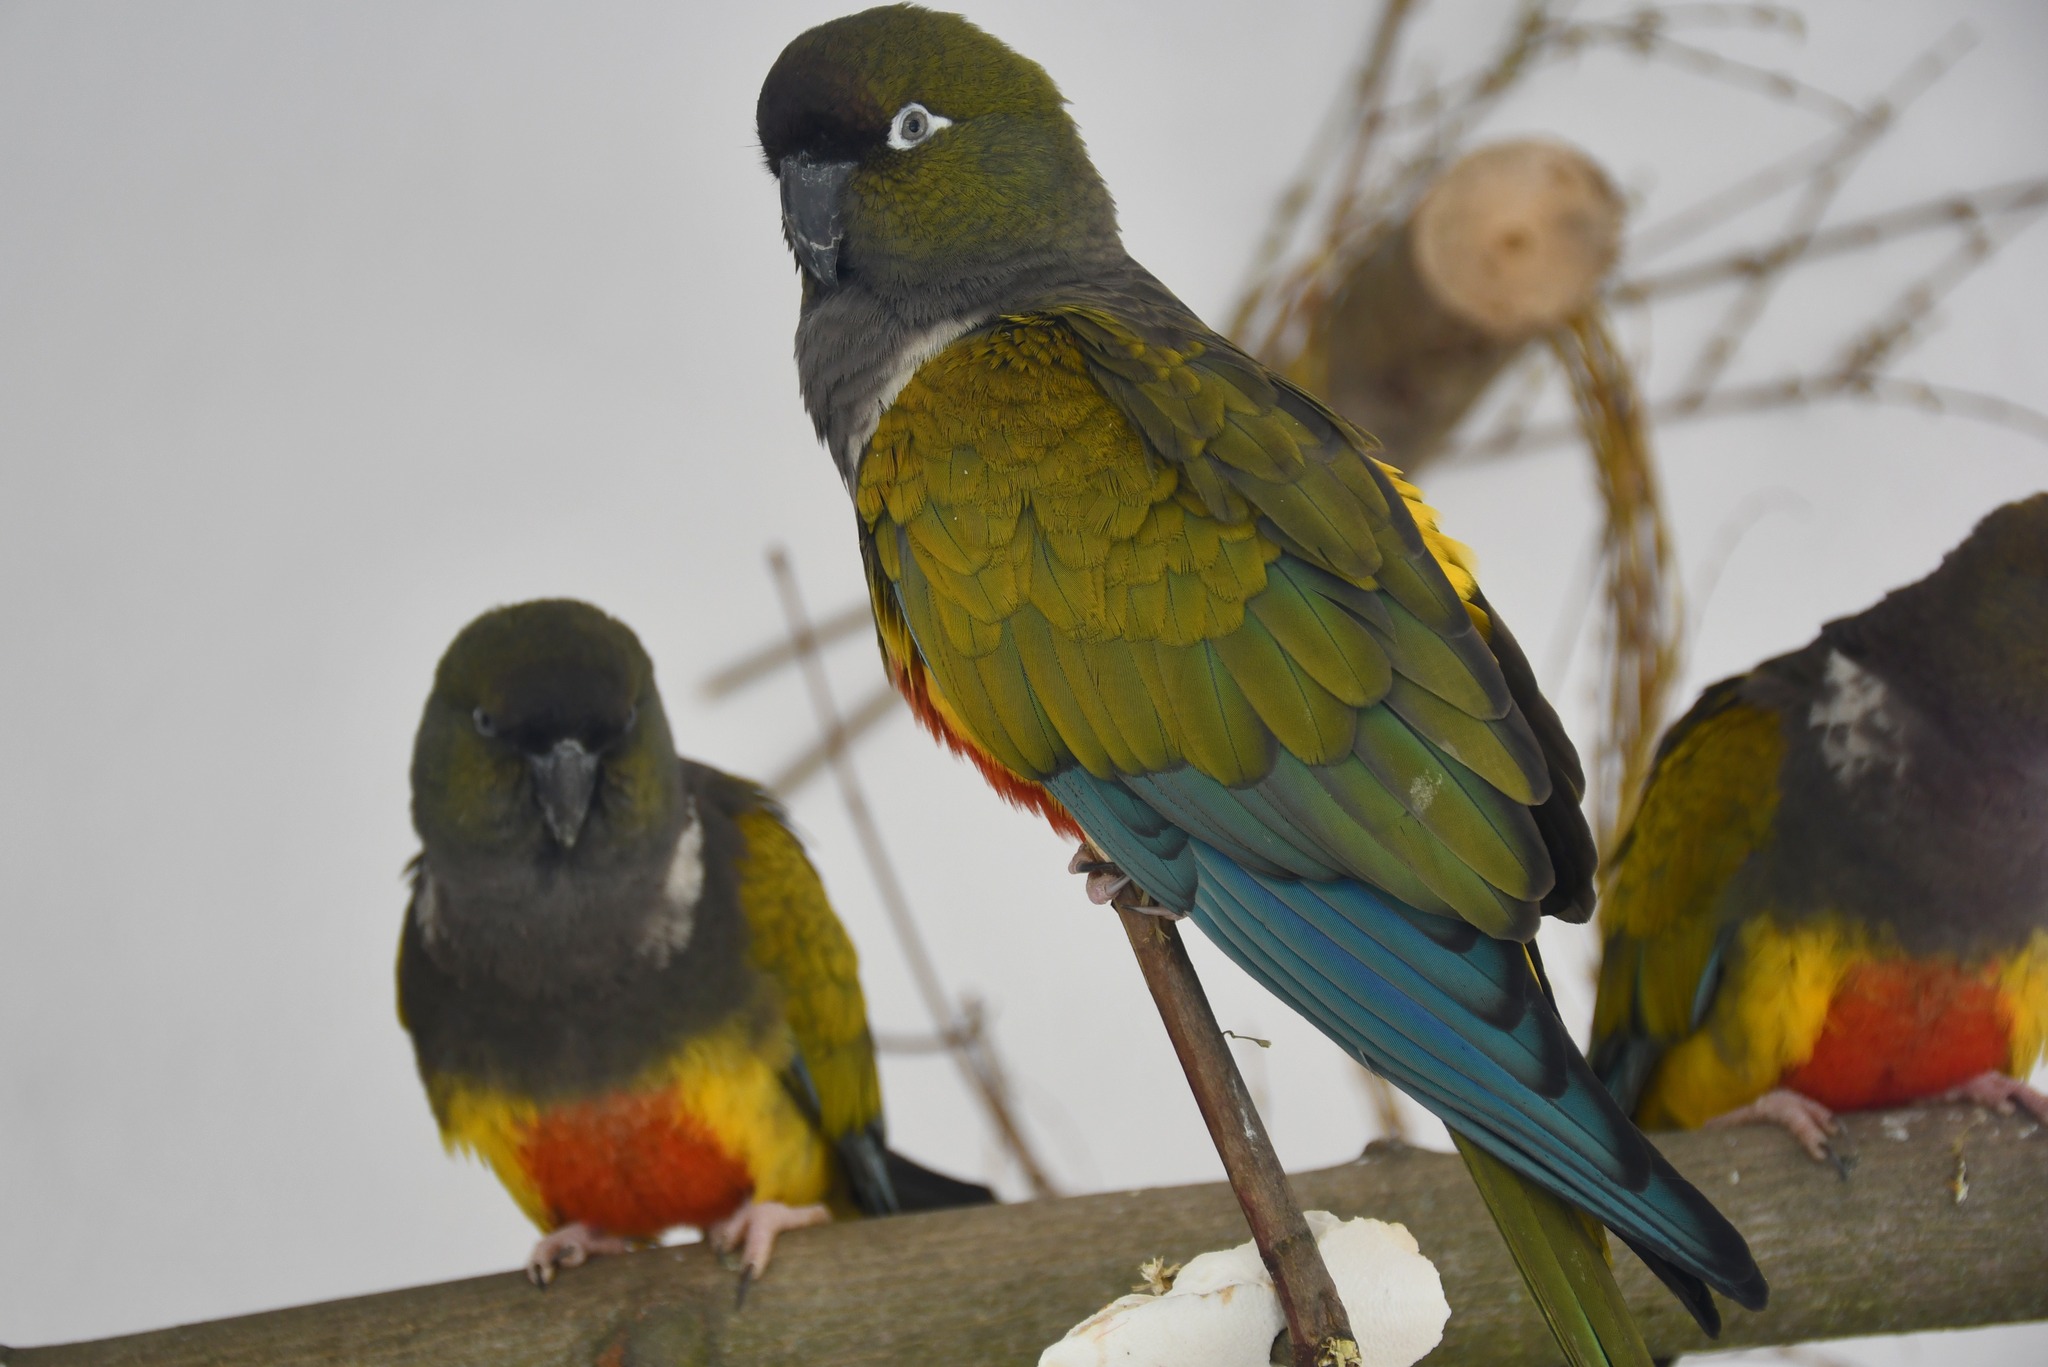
[(1835, 895), (1177, 606), (625, 988)]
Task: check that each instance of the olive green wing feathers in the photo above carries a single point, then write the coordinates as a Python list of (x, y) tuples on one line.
[(798, 943), (1144, 556), (1708, 806)]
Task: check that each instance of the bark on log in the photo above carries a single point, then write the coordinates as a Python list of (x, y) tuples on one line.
[(1940, 1225), (1510, 242)]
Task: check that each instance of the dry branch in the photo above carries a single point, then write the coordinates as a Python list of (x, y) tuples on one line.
[(972, 1051), (1891, 1249), (1645, 618), (1947, 211), (1319, 1332)]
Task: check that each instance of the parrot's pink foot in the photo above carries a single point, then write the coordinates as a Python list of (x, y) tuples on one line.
[(1109, 885), (1810, 1122), (754, 1227), (570, 1246), (1998, 1092)]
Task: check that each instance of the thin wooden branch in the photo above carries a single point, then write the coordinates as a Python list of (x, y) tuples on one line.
[(1645, 621), (976, 1057), (1650, 40), (1809, 162), (1899, 1246), (1355, 125), (1900, 325), (1791, 391), (1317, 1328), (1947, 211), (778, 655), (1822, 185), (867, 714)]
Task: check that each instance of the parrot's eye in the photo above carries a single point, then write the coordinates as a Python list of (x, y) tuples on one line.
[(913, 124), (484, 725)]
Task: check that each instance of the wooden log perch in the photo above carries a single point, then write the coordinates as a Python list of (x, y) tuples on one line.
[(1510, 242), (1939, 1225)]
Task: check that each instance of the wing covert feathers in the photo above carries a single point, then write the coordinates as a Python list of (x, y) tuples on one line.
[(796, 940), (1709, 805), (1172, 567)]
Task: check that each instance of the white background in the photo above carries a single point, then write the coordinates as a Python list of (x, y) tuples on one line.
[(324, 327)]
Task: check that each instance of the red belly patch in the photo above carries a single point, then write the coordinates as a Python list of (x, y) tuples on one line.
[(632, 1164), (1899, 1030)]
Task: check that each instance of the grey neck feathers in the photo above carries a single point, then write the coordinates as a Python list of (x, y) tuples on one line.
[(858, 344), (541, 927)]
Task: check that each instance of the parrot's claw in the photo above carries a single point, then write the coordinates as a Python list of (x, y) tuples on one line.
[(1809, 1122), (751, 1231), (1998, 1092), (570, 1246), (1109, 885)]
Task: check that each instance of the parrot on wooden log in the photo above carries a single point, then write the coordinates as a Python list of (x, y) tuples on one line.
[(625, 988), (1180, 609), (1834, 896)]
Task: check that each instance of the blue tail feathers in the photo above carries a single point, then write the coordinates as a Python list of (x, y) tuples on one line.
[(1455, 1018)]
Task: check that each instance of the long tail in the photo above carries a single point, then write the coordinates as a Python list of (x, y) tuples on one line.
[(1462, 1023), (1563, 1263), (919, 1188)]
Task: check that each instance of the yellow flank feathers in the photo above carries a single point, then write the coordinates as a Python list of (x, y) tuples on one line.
[(800, 946), (2023, 983), (1460, 565), (1768, 1013), (1709, 805), (728, 1081), (492, 1125)]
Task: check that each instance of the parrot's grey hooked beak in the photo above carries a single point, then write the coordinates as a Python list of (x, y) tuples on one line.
[(564, 781), (811, 193)]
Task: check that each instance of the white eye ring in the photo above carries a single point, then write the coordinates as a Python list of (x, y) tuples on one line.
[(913, 124)]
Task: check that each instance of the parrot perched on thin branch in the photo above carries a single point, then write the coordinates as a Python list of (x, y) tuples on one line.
[(1178, 607), (625, 988), (1835, 894)]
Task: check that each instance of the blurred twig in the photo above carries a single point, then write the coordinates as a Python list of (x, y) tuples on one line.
[(1822, 184), (1948, 211), (867, 714), (1645, 619), (1817, 160), (968, 1044), (777, 655), (1854, 373), (1645, 33), (1792, 391)]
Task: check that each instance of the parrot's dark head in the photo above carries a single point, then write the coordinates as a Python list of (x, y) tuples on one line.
[(917, 155), (544, 735), (2000, 586), (1975, 631)]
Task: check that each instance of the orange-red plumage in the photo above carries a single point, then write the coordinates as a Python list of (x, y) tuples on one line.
[(631, 1163), (912, 682), (1899, 1030)]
